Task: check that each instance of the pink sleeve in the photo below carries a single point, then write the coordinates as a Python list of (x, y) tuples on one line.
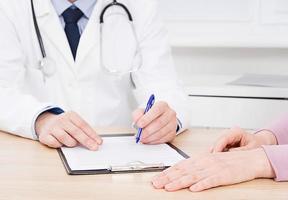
[(280, 129), (278, 157)]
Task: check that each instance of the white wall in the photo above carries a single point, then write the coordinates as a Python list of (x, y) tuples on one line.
[(226, 23), (191, 61), (212, 38)]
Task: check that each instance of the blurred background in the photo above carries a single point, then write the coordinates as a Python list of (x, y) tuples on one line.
[(218, 42)]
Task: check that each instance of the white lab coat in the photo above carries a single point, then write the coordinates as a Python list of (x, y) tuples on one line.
[(81, 86)]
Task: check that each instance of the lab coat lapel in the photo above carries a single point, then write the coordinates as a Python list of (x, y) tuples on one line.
[(51, 27), (91, 35)]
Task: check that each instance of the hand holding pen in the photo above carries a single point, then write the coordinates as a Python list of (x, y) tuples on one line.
[(149, 105), (157, 123)]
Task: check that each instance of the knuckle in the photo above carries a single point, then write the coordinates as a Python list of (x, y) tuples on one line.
[(161, 132), (71, 143), (147, 131), (62, 137), (144, 121), (182, 182), (74, 131), (194, 177), (183, 171), (62, 119), (158, 109), (67, 114), (86, 141), (161, 122), (213, 181), (163, 104), (169, 177), (82, 124), (71, 114)]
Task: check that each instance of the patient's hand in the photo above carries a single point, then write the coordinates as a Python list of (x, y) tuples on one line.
[(237, 139), (217, 169)]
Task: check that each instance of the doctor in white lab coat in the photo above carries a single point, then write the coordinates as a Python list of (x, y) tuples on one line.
[(61, 109)]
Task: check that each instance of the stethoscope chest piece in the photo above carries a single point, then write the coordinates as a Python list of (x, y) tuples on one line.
[(47, 67)]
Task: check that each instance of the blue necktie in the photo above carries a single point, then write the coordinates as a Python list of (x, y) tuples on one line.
[(71, 17)]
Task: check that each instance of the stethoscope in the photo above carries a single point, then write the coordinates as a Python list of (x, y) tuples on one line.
[(47, 66)]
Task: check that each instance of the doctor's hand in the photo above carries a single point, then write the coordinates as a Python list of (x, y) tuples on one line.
[(159, 123), (67, 129), (237, 139), (217, 169)]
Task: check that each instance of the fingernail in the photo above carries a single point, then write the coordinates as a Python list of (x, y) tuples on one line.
[(134, 125), (99, 141), (92, 145), (168, 187), (193, 188), (156, 185)]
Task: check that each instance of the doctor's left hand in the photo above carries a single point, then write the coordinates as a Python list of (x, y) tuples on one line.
[(67, 129), (159, 123)]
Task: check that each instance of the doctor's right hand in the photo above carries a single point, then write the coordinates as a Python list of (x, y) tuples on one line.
[(237, 139), (67, 129)]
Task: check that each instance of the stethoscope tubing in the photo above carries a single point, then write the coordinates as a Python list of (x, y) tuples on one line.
[(47, 72), (38, 33)]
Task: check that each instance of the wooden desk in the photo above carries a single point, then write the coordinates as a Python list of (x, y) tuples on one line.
[(29, 170)]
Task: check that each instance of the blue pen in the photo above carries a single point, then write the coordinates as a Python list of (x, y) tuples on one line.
[(148, 107)]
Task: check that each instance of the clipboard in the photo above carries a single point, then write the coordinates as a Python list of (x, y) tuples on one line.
[(129, 167)]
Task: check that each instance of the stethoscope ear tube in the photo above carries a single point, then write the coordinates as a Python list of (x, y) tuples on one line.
[(115, 3)]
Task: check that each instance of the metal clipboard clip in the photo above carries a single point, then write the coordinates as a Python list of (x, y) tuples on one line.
[(137, 166)]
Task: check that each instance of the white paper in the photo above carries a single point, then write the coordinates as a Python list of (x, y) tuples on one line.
[(277, 81), (120, 151)]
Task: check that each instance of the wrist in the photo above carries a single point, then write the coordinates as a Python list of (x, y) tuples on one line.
[(47, 113), (262, 166), (266, 137), (41, 120)]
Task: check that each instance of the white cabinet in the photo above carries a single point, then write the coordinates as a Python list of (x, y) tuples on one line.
[(224, 112), (220, 105)]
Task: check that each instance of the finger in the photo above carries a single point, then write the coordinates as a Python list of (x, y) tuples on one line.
[(85, 127), (244, 148), (161, 181), (228, 139), (159, 123), (80, 136), (177, 166), (210, 149), (158, 109), (64, 138), (50, 141), (207, 183), (184, 182), (168, 130), (167, 138), (137, 114)]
